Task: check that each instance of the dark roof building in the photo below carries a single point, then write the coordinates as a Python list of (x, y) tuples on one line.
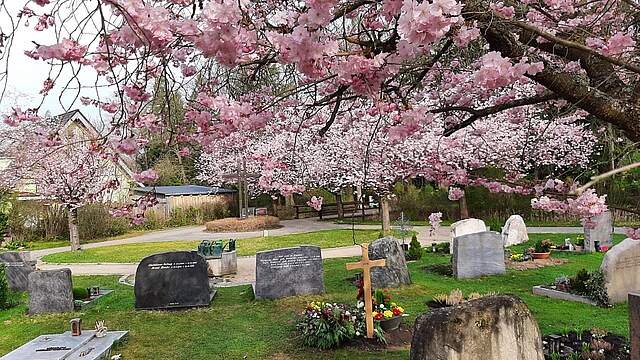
[(184, 190)]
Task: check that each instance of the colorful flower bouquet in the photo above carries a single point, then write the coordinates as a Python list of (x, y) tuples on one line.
[(388, 313)]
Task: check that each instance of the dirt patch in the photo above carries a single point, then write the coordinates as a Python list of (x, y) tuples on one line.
[(399, 339), (254, 223), (280, 356), (535, 264)]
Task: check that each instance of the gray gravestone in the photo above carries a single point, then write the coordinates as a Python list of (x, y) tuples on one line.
[(172, 280), (621, 268), (491, 328), (289, 272), (478, 254), (50, 291), (395, 272), (634, 325), (600, 231), (18, 267)]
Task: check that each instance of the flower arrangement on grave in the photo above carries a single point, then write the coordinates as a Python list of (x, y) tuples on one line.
[(386, 312), (517, 257), (542, 249), (455, 297), (327, 325), (584, 283)]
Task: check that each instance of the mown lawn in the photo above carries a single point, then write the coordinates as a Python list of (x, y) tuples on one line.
[(131, 253), (235, 325)]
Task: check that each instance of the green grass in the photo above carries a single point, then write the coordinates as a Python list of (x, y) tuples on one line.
[(130, 253), (235, 325)]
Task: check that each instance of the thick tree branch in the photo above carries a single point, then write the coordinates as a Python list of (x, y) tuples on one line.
[(480, 113)]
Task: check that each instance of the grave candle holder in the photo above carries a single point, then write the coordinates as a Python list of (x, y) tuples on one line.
[(76, 327), (554, 343)]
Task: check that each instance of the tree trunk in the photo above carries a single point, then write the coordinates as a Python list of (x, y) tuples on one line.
[(338, 196), (464, 210), (74, 236), (384, 213)]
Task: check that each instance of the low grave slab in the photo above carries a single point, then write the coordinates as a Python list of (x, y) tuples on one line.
[(562, 295), (66, 347)]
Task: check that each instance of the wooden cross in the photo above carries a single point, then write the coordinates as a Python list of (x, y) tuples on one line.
[(243, 186), (365, 264)]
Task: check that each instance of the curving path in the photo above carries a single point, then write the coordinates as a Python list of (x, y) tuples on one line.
[(246, 264)]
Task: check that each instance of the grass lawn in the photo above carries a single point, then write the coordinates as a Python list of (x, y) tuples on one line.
[(130, 253), (236, 326)]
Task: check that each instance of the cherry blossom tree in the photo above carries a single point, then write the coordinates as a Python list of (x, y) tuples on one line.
[(66, 170), (446, 68)]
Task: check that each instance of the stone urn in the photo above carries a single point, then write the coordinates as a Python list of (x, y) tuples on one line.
[(544, 255), (388, 325)]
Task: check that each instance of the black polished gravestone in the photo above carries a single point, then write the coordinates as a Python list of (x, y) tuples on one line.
[(289, 272), (172, 280), (18, 266)]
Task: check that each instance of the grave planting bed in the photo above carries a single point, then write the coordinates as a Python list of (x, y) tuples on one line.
[(235, 325)]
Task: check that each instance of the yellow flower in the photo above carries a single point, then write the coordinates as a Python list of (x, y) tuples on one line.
[(400, 309), (373, 314), (388, 314), (393, 305)]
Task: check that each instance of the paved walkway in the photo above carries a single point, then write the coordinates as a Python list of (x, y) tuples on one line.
[(246, 264)]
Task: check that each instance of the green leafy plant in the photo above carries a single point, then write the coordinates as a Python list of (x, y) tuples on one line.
[(543, 246), (578, 282), (80, 293), (556, 356), (326, 325), (8, 298), (415, 249), (579, 240), (596, 290)]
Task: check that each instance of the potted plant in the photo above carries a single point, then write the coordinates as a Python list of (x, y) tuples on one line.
[(542, 249), (387, 313), (579, 243)]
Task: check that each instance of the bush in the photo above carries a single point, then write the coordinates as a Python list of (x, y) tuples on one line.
[(249, 224), (326, 326), (578, 282), (8, 298), (415, 249), (95, 222), (215, 210), (33, 221), (80, 293), (595, 288), (543, 246)]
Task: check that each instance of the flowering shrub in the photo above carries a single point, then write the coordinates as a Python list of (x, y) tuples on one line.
[(329, 325), (326, 325)]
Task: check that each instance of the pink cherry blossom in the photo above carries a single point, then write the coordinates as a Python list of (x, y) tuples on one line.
[(315, 203)]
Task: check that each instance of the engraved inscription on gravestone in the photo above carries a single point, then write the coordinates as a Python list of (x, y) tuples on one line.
[(289, 272), (621, 268), (172, 280)]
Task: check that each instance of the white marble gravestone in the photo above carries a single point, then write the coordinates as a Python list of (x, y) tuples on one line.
[(514, 231), (466, 227), (621, 268)]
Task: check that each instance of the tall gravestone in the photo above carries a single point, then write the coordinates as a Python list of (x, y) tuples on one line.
[(514, 231), (600, 229), (490, 328), (621, 268), (50, 291), (395, 272), (289, 272), (478, 254), (172, 280), (18, 265)]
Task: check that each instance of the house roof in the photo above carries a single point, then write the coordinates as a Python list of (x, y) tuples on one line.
[(184, 190)]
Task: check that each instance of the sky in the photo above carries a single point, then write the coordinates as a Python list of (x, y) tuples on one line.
[(27, 75)]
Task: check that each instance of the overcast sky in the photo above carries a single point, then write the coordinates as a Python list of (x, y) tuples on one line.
[(27, 75)]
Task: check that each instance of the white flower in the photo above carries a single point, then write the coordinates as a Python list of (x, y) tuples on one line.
[(357, 333), (347, 313)]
